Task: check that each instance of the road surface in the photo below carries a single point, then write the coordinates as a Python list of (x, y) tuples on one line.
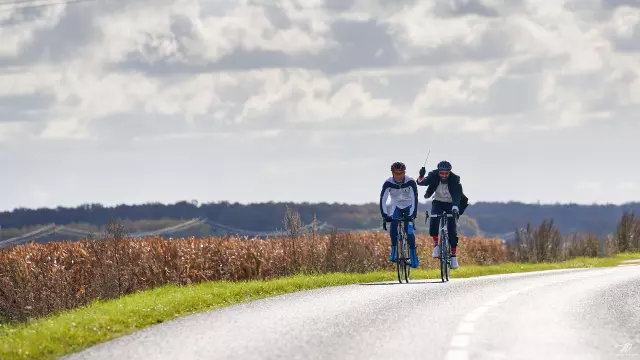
[(560, 314)]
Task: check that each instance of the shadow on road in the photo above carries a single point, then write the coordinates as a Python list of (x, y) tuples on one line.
[(417, 282)]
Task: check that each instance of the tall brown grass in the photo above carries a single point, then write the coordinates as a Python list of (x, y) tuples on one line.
[(545, 243), (41, 279)]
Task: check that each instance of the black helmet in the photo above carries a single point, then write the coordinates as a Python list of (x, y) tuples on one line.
[(444, 166), (398, 166)]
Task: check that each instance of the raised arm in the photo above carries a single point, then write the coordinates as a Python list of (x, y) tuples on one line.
[(424, 180)]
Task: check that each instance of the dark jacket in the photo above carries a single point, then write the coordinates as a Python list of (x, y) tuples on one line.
[(432, 180)]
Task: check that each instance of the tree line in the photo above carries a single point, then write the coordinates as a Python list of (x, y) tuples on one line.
[(492, 217)]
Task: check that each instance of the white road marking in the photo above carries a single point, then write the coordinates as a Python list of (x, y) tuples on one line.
[(475, 314), (465, 328), (491, 303), (461, 340), (457, 355)]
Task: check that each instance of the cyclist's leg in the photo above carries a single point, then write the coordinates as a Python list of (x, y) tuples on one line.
[(393, 233), (453, 236), (453, 241), (434, 224), (411, 239)]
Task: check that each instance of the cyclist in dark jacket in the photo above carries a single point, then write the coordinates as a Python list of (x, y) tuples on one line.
[(445, 186)]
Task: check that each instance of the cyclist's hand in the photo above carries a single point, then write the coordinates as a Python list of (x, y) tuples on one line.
[(385, 219), (456, 212), (423, 171)]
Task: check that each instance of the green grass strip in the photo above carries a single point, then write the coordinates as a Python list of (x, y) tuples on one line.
[(74, 330)]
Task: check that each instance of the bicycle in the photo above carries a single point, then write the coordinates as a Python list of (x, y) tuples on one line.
[(403, 264), (445, 247)]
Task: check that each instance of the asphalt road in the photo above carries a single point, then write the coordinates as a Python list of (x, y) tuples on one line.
[(564, 314)]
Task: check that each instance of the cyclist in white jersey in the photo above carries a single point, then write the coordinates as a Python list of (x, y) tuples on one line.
[(403, 191)]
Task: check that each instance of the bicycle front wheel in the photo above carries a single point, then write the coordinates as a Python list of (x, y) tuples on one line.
[(447, 266), (444, 261), (442, 268), (400, 261), (403, 256), (407, 271)]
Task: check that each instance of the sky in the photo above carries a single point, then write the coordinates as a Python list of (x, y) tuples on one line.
[(135, 101)]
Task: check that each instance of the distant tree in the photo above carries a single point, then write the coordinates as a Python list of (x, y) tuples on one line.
[(491, 218)]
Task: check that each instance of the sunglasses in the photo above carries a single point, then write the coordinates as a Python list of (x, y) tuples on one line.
[(444, 173), (398, 173)]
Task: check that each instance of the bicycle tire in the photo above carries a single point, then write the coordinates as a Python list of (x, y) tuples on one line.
[(407, 261), (447, 257), (444, 242), (402, 266), (448, 268), (442, 267), (399, 268), (407, 257), (407, 271), (441, 256), (447, 263), (399, 262)]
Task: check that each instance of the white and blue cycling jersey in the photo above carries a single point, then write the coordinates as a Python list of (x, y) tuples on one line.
[(402, 195)]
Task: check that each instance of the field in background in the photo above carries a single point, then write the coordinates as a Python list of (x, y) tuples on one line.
[(183, 228), (494, 218), (40, 279)]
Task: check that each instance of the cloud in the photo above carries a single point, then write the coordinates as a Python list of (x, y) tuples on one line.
[(613, 4), (316, 79), (625, 29), (458, 8), (628, 186), (362, 44), (525, 65), (589, 186)]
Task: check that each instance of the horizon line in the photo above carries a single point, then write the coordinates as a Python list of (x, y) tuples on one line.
[(199, 204)]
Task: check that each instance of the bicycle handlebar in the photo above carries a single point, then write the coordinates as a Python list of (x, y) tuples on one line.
[(404, 218), (448, 214)]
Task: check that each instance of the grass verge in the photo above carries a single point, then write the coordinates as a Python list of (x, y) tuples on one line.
[(71, 331)]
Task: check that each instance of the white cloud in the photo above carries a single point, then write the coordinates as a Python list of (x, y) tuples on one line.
[(330, 74), (589, 185), (624, 21), (628, 186), (69, 128)]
